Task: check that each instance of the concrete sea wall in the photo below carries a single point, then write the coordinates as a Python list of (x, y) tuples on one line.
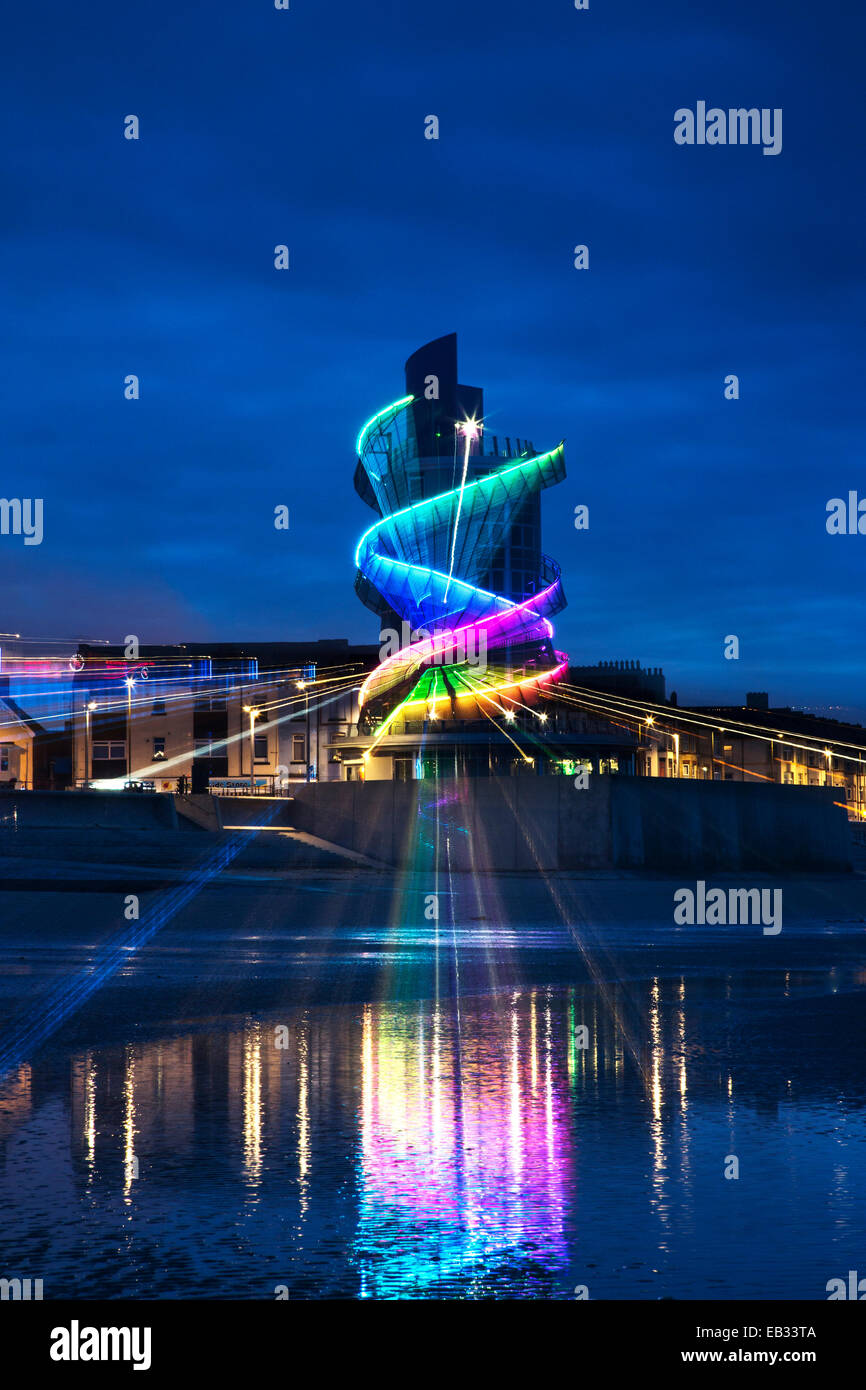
[(546, 823), (88, 810), (520, 824)]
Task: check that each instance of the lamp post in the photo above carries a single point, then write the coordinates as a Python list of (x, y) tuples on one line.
[(88, 709), (650, 721), (253, 711), (302, 685), (130, 682)]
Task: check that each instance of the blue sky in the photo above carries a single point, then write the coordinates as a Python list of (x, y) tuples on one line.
[(259, 127)]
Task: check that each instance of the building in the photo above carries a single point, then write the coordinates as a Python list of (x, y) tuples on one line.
[(464, 678), (735, 743), (756, 743), (621, 678), (191, 716), (36, 713), (454, 570)]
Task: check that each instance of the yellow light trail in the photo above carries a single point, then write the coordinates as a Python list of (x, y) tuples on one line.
[(595, 698), (523, 755), (734, 726)]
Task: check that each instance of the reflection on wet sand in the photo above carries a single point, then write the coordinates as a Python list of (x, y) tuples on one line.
[(465, 1146), (509, 1146)]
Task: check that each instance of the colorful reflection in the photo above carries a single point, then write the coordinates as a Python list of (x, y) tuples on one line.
[(510, 1144), (465, 1156)]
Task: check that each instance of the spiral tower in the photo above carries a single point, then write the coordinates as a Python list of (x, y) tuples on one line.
[(447, 499)]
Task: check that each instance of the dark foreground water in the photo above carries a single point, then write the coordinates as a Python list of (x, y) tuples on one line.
[(541, 1090)]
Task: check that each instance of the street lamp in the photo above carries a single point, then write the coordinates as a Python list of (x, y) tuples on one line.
[(88, 709), (302, 685), (649, 720), (254, 713), (130, 683)]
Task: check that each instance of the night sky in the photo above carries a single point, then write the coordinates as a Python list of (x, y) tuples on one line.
[(259, 127)]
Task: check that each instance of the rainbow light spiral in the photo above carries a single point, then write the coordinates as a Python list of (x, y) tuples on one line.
[(423, 559)]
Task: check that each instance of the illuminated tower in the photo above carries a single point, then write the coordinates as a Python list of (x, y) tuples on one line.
[(453, 564)]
